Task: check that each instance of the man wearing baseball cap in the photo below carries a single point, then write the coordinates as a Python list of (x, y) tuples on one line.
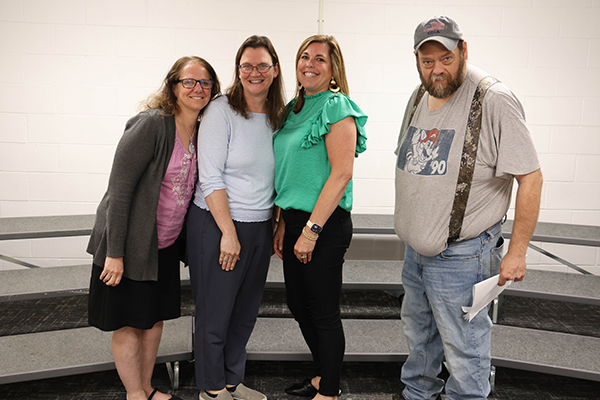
[(451, 195)]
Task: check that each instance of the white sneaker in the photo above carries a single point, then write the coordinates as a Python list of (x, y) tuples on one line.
[(245, 393)]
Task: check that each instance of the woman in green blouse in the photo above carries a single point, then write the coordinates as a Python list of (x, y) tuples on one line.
[(314, 155)]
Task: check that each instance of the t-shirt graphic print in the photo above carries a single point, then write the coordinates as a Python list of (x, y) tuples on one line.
[(425, 152)]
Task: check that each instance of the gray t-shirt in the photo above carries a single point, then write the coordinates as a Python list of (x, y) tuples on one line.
[(236, 154), (429, 153)]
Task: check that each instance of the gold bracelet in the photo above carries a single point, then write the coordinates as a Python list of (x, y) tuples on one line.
[(306, 235)]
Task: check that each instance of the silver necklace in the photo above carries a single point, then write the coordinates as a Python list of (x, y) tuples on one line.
[(191, 147)]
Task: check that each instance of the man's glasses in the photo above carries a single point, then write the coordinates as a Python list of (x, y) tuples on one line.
[(261, 68), (190, 83)]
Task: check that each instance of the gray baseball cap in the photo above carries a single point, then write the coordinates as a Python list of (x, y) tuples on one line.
[(441, 29)]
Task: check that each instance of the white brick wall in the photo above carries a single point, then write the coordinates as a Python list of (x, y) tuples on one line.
[(72, 72)]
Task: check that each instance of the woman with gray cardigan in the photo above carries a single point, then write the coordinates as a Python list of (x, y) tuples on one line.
[(135, 283)]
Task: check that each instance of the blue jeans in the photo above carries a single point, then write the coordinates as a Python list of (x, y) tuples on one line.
[(436, 289)]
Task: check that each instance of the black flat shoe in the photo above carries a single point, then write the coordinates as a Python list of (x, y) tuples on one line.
[(304, 388)]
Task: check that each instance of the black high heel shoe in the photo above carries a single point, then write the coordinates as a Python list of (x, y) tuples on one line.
[(304, 388)]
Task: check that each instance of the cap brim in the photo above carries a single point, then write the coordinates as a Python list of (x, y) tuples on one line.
[(448, 43)]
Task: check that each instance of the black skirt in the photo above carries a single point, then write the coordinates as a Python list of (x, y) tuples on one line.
[(137, 304)]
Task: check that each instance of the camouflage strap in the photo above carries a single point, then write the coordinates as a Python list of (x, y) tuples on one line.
[(467, 162), (418, 98)]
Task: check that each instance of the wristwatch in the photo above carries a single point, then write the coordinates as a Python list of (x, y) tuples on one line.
[(315, 228)]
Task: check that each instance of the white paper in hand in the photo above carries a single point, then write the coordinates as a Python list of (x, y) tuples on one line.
[(483, 293)]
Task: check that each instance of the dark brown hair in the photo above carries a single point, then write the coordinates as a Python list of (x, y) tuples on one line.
[(165, 98), (276, 95), (338, 68)]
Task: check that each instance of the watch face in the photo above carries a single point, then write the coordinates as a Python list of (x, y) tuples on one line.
[(316, 228)]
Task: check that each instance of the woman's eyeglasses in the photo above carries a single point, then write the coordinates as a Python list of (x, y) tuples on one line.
[(261, 68), (190, 83)]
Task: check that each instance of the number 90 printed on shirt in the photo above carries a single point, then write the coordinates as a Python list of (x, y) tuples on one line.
[(425, 152)]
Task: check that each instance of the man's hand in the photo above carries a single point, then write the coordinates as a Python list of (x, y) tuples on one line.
[(527, 208), (512, 268)]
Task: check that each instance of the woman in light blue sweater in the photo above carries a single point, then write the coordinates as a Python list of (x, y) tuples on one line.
[(230, 230)]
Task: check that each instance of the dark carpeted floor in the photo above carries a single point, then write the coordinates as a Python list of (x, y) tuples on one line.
[(359, 380)]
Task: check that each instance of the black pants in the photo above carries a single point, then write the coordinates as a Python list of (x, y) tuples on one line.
[(313, 291)]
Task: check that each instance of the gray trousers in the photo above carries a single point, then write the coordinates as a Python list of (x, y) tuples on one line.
[(227, 302)]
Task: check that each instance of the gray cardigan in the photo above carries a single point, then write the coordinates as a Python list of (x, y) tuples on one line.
[(126, 217)]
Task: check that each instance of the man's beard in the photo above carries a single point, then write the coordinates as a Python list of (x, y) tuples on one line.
[(452, 82)]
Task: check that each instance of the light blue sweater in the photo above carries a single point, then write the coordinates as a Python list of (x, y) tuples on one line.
[(236, 154)]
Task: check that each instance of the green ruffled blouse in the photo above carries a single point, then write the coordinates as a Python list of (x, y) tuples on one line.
[(302, 165)]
